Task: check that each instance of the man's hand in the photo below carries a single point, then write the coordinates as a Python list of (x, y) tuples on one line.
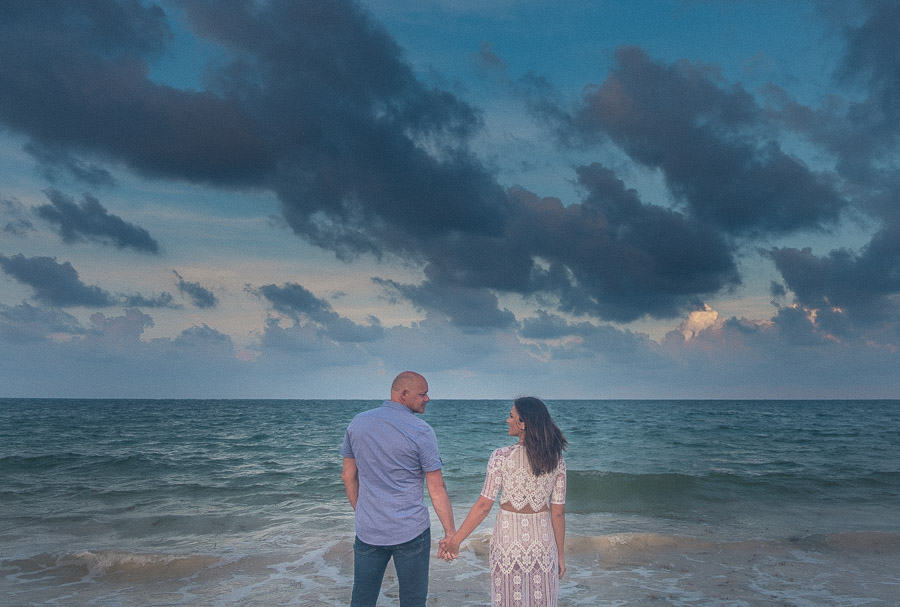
[(448, 549)]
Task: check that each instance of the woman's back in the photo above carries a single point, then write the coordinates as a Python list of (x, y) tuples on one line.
[(508, 467)]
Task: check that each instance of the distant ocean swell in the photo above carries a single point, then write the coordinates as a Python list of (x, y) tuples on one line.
[(595, 491)]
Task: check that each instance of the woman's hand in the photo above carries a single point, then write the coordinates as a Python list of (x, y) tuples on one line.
[(449, 548), (562, 567)]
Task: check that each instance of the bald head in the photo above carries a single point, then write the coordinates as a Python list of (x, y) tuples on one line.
[(410, 389), (405, 380)]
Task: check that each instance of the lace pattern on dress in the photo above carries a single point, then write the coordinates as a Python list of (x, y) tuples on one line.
[(508, 468), (524, 563)]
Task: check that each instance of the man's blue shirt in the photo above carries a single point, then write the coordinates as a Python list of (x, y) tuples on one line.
[(393, 450)]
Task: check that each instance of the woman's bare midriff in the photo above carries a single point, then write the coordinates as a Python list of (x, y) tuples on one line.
[(526, 510)]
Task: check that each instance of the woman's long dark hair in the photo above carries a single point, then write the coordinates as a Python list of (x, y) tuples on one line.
[(544, 442)]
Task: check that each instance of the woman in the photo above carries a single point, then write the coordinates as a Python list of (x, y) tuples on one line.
[(527, 558)]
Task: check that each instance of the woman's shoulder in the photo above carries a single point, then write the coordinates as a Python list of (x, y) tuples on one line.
[(503, 451)]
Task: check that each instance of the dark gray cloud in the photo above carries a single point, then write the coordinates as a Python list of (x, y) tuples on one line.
[(615, 257), (52, 161), (611, 256), (199, 295), (712, 144), (845, 286), (466, 307), (315, 102), (297, 302), (872, 58), (853, 291), (27, 323), (74, 76), (586, 340), (161, 300), (546, 326), (862, 127), (58, 284), (91, 221), (54, 283)]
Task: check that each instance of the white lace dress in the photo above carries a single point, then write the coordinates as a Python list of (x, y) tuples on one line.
[(524, 562)]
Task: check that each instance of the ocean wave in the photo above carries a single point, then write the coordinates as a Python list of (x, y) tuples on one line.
[(85, 566), (591, 491), (860, 542), (641, 546)]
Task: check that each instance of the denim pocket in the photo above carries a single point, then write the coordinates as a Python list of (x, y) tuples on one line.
[(364, 549), (415, 546)]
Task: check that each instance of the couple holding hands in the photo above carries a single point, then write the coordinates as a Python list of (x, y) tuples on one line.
[(389, 454)]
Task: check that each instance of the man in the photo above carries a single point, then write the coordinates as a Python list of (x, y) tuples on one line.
[(389, 455)]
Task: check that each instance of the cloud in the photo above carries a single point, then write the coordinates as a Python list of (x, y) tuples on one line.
[(75, 77), (112, 357), (316, 103), (870, 129), (713, 145), (52, 160), (611, 256), (697, 321), (27, 323), (585, 340), (161, 300), (465, 307), (299, 304), (546, 326), (199, 295), (58, 284), (313, 101), (12, 218), (487, 59), (863, 286), (55, 284), (90, 221)]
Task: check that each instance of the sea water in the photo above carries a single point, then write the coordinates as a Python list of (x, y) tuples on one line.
[(240, 502)]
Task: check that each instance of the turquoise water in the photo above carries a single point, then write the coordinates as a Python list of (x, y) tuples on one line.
[(240, 502)]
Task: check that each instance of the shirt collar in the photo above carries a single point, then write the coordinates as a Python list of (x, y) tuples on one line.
[(390, 404)]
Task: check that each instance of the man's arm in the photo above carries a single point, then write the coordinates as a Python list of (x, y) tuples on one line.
[(440, 500), (350, 476)]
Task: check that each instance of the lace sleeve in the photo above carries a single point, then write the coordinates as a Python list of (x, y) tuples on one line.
[(494, 478), (558, 495)]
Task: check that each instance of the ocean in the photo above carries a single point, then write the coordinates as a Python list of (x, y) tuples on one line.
[(240, 502)]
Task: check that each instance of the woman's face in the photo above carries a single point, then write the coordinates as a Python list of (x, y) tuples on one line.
[(515, 423)]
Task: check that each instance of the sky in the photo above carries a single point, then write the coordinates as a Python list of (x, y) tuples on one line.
[(582, 199)]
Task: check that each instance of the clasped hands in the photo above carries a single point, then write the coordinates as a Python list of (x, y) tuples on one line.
[(448, 548)]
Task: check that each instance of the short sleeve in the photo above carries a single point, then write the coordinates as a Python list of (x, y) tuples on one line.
[(558, 495), (346, 447), (493, 480), (429, 455)]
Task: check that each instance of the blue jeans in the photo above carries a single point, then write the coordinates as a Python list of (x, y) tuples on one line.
[(411, 561)]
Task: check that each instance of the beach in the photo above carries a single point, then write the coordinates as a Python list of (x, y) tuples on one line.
[(219, 503), (634, 570)]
